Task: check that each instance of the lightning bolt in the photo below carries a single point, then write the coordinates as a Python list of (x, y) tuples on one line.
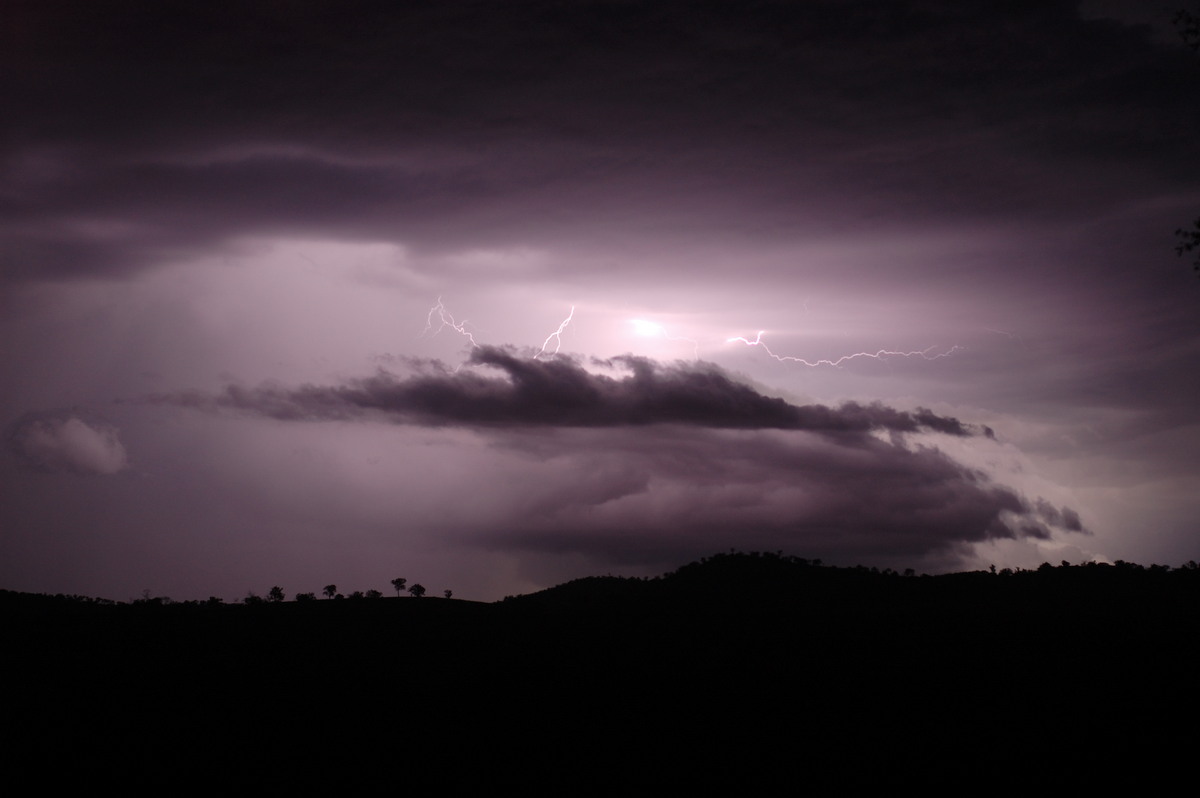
[(556, 336), (649, 328), (880, 355), (440, 318), (446, 320)]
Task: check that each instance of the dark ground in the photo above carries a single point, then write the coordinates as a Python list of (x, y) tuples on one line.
[(757, 672)]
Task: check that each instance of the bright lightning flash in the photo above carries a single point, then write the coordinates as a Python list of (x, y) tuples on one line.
[(647, 328), (880, 355), (652, 329)]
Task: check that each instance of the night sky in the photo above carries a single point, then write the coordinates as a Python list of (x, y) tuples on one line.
[(495, 295)]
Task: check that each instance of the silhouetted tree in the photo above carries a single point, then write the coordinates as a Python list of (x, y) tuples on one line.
[(330, 591), (399, 583), (447, 593), (357, 594), (373, 594), (157, 601), (416, 591), (1191, 240), (306, 596), (275, 594), (1188, 25)]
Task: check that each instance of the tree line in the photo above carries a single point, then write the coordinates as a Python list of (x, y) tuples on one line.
[(276, 595)]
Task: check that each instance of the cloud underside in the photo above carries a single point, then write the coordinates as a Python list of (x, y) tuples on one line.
[(484, 118), (669, 461)]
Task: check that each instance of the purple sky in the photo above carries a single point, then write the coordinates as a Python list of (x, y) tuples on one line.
[(279, 284)]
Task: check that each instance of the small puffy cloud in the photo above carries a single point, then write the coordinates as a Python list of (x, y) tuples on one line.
[(68, 444)]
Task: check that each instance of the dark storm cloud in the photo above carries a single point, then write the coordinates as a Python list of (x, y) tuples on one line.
[(503, 113), (558, 392), (702, 490)]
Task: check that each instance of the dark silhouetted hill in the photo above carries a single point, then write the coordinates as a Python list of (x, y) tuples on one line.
[(751, 670)]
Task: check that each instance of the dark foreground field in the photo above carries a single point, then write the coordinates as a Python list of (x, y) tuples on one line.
[(756, 672)]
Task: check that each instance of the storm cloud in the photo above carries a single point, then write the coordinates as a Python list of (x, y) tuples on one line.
[(677, 493), (559, 392)]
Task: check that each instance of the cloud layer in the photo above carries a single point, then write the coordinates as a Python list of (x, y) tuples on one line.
[(486, 117)]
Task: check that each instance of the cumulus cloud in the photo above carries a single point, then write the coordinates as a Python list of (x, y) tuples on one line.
[(68, 444), (559, 392)]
